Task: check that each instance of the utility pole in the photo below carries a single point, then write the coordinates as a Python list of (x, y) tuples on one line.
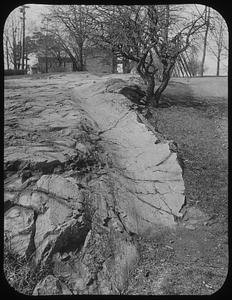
[(23, 11), (7, 53)]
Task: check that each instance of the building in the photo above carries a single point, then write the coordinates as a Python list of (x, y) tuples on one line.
[(96, 60), (52, 64), (100, 61)]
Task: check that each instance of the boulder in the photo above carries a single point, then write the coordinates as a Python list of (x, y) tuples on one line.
[(62, 224), (194, 216), (49, 216), (19, 229), (56, 230)]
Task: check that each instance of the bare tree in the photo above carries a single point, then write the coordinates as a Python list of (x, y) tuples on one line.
[(146, 35), (219, 39), (12, 36), (70, 26), (207, 21), (193, 62), (6, 49)]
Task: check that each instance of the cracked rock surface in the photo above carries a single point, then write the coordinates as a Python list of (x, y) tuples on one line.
[(150, 188), (83, 177)]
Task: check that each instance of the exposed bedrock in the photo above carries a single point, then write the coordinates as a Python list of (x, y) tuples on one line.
[(148, 181), (90, 181)]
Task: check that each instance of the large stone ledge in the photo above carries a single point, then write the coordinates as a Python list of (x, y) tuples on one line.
[(82, 181)]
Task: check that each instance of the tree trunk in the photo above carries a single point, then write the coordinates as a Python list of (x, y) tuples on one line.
[(14, 59), (26, 58), (183, 65), (81, 68), (149, 81), (150, 89), (75, 64), (46, 63), (180, 67), (23, 41), (7, 56), (219, 50), (73, 59), (177, 69), (60, 60), (166, 77), (207, 17), (152, 98), (218, 64), (159, 92), (188, 64), (114, 62), (125, 65), (188, 72)]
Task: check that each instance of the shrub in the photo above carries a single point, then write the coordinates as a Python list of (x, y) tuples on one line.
[(14, 72)]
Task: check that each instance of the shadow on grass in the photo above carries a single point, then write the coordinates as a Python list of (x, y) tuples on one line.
[(214, 106), (183, 101), (179, 94)]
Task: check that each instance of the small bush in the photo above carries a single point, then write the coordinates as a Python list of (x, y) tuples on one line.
[(14, 72)]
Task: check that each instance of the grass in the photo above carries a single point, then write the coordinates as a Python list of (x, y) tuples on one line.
[(196, 262), (190, 122), (19, 271)]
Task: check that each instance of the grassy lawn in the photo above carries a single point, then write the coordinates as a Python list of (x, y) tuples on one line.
[(198, 126), (191, 262)]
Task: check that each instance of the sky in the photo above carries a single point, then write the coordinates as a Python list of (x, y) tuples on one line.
[(34, 17)]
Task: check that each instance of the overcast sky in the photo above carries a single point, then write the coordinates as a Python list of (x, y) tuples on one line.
[(34, 17)]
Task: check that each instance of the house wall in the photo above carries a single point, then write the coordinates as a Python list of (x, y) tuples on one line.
[(68, 67), (53, 66), (99, 61)]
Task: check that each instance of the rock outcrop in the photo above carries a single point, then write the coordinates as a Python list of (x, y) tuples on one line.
[(83, 179), (147, 177), (50, 285)]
